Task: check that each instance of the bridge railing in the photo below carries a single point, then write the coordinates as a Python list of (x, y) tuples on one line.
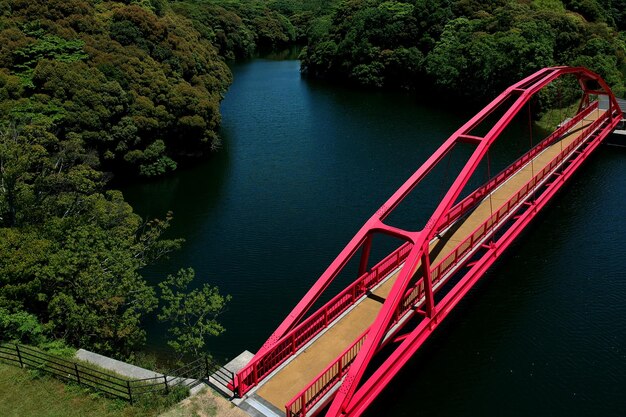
[(313, 392), (476, 196), (261, 367), (333, 373), (476, 236), (325, 381)]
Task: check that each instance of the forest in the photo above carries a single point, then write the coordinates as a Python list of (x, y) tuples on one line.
[(466, 48), (92, 90)]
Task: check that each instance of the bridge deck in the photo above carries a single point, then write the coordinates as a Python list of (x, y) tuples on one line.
[(290, 380)]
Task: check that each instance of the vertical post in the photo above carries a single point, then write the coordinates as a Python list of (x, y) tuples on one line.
[(77, 374), (365, 255), (340, 367), (206, 365), (235, 385), (167, 388), (130, 394), (19, 355), (428, 283)]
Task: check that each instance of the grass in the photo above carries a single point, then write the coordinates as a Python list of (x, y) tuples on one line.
[(25, 393), (32, 392), (552, 117)]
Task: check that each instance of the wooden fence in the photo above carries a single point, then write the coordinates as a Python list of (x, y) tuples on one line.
[(189, 375)]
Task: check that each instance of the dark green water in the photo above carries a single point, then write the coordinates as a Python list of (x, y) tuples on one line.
[(305, 164)]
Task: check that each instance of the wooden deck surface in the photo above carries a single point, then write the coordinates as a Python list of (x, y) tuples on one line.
[(309, 363)]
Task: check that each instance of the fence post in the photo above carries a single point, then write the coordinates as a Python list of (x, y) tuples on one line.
[(77, 374), (19, 355), (206, 364), (167, 388), (130, 394)]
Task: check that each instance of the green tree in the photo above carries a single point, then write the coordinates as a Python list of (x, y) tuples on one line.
[(191, 314), (134, 82), (464, 48), (70, 253)]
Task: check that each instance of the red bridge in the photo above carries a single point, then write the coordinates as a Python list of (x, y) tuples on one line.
[(332, 361)]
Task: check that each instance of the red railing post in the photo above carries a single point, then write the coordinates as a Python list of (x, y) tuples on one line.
[(255, 374), (307, 329), (340, 367), (428, 283)]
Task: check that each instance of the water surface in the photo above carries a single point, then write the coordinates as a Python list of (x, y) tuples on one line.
[(304, 164)]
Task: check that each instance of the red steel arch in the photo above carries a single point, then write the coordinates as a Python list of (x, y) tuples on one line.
[(356, 393), (345, 402)]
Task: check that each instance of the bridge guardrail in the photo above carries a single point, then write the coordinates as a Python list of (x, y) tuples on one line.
[(258, 369), (333, 373), (312, 393), (449, 261), (481, 192)]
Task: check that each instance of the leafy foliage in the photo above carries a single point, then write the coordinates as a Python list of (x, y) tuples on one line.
[(191, 313), (240, 27), (70, 252), (465, 47), (135, 83), (20, 325), (86, 88)]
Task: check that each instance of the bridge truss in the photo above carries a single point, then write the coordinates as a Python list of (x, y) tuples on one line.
[(349, 384)]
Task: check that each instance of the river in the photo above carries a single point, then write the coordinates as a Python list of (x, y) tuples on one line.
[(304, 164)]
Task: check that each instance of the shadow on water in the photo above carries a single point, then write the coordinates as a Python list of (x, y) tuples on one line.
[(192, 191)]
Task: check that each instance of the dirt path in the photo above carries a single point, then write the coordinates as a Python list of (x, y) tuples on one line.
[(206, 403)]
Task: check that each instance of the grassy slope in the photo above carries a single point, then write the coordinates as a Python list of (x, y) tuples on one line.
[(22, 395), (25, 394)]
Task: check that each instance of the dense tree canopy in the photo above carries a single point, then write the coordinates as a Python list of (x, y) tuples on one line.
[(466, 47), (69, 251), (139, 89), (241, 27), (92, 88), (86, 88)]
